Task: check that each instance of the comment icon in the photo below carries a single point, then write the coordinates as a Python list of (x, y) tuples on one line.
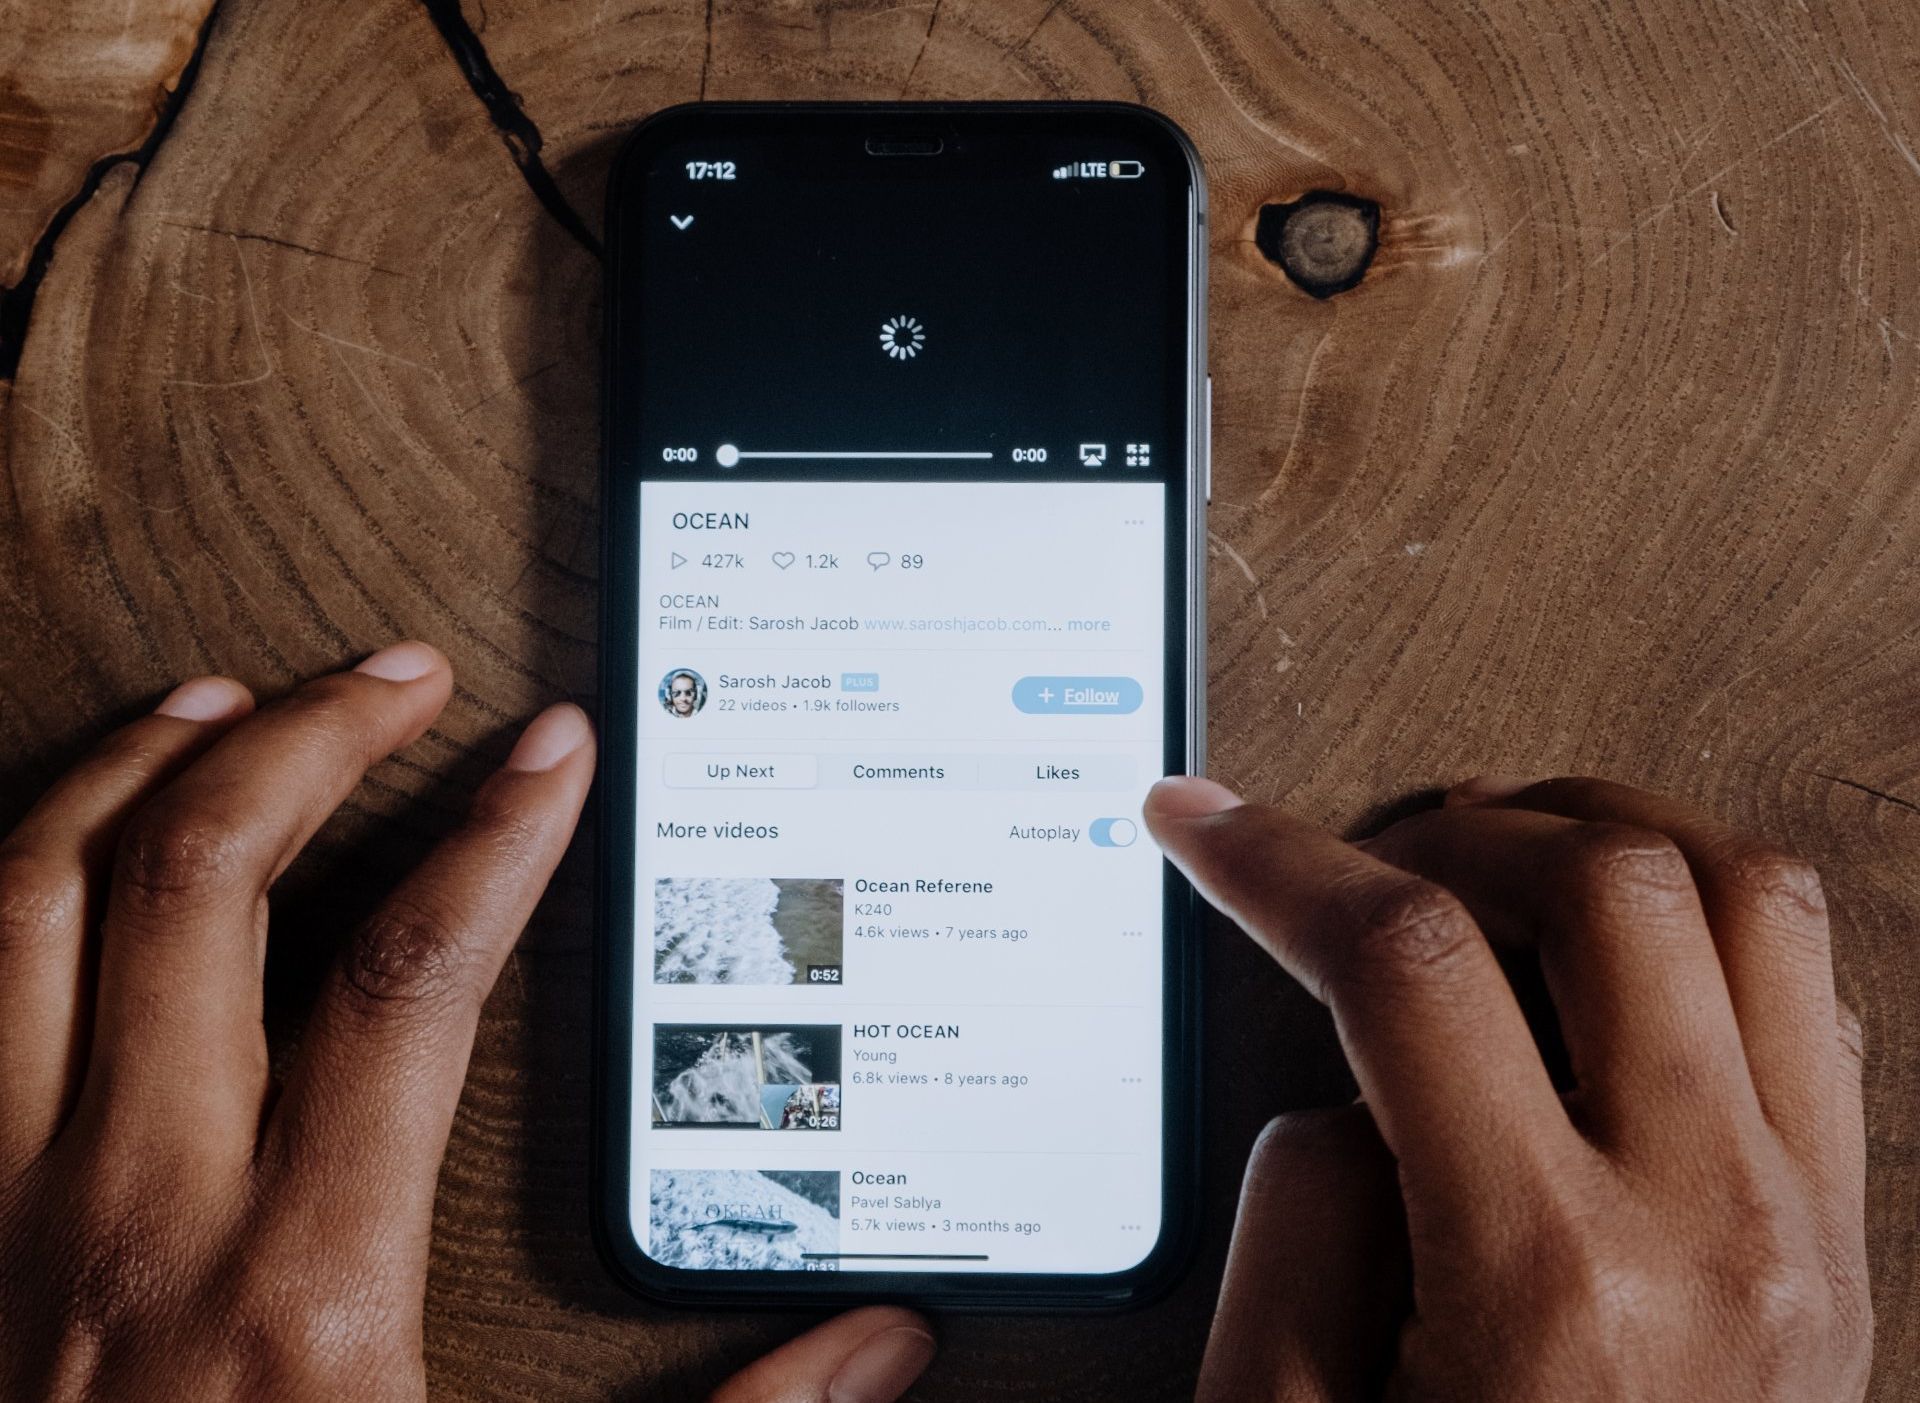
[(879, 559)]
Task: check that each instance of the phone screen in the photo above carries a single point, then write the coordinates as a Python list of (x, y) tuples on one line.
[(901, 564)]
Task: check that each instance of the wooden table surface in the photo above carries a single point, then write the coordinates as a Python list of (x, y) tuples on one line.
[(1611, 463)]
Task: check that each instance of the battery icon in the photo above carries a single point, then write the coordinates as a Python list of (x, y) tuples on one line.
[(1125, 170)]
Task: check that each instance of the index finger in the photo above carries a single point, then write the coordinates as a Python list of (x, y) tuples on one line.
[(52, 874), (1426, 1017)]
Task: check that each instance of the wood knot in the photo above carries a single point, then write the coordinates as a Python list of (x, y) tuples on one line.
[(1323, 241)]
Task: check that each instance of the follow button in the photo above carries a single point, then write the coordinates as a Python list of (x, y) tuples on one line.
[(1077, 696)]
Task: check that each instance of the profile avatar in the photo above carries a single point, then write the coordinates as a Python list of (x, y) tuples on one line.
[(683, 692)]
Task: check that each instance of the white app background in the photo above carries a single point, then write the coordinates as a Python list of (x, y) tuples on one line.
[(898, 1000)]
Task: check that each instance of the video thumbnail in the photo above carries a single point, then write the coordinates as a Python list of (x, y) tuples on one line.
[(716, 1076), (744, 1219), (747, 930)]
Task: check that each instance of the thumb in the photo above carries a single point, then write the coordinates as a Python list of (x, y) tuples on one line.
[(865, 1356), (1317, 1275)]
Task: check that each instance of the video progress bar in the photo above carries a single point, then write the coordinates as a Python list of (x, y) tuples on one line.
[(897, 1256), (727, 455)]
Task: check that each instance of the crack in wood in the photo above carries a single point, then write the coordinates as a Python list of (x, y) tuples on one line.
[(1879, 794), (1022, 45), (706, 58), (16, 302), (518, 131), (275, 242), (515, 383), (1720, 213), (925, 40)]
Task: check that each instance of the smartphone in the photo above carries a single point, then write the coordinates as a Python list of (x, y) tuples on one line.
[(905, 482)]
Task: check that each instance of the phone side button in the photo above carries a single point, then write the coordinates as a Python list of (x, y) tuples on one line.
[(1207, 442)]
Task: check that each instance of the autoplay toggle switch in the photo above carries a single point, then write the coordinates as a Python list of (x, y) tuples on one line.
[(1112, 832)]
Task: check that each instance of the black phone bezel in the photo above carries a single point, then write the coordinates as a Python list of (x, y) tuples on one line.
[(616, 806)]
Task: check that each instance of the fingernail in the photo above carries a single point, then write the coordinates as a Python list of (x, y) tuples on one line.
[(206, 699), (1484, 789), (402, 662), (1190, 796), (883, 1368), (551, 737)]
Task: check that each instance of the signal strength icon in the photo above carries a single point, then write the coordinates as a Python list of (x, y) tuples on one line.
[(1100, 170)]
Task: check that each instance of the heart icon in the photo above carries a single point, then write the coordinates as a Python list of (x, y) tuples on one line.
[(783, 558)]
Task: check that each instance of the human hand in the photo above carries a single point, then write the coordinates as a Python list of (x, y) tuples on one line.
[(172, 1224), (1685, 1223)]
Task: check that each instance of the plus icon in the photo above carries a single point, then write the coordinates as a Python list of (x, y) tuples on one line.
[(1046, 694)]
